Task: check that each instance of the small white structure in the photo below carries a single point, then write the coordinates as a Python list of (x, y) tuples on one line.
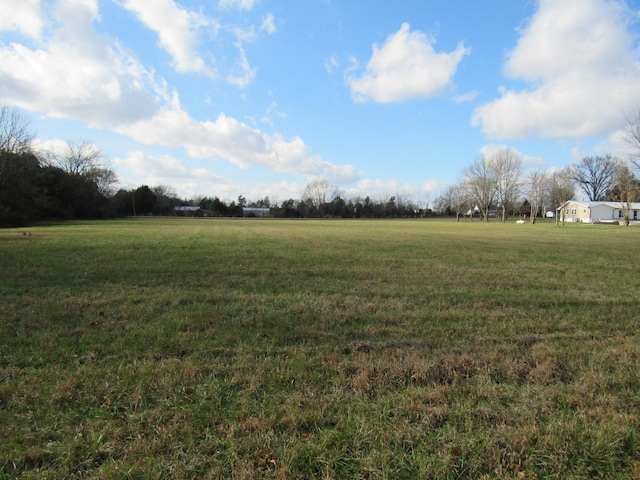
[(472, 212), (596, 212)]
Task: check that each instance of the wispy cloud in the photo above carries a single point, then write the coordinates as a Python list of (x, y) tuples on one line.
[(243, 74), (268, 25), (227, 138), (241, 4), (331, 63), (178, 31), (163, 166), (465, 97)]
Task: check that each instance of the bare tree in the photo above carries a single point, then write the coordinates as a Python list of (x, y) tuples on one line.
[(560, 189), (632, 137), (626, 190), (594, 175), (536, 191), (15, 132), (453, 199), (480, 184), (507, 166), (317, 192), (77, 158), (105, 179), (85, 159)]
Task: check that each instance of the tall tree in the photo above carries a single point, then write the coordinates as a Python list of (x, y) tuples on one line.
[(19, 189), (626, 189), (317, 194), (594, 175), (317, 191), (85, 159), (536, 191), (560, 188), (144, 200), (480, 184), (166, 199), (632, 137), (15, 131), (454, 199), (507, 165)]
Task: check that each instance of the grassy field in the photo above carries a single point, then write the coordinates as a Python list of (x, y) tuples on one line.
[(195, 348)]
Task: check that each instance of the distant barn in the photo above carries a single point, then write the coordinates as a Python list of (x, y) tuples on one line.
[(187, 210), (256, 212)]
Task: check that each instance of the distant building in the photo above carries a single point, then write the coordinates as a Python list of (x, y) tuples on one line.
[(256, 212), (595, 212), (187, 210)]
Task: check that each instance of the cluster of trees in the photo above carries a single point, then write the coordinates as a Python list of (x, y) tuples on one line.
[(322, 200), (34, 186), (77, 184), (498, 182)]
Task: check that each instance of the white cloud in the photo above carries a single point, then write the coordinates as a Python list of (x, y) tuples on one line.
[(406, 66), (138, 168), (55, 145), (381, 189), (25, 16), (271, 113), (616, 144), (164, 166), (243, 74), (432, 186), (227, 138), (465, 97), (268, 25), (110, 87), (528, 161), (579, 60), (242, 4), (244, 34), (332, 63), (178, 31)]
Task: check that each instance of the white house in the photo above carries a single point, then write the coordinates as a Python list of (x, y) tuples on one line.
[(594, 212)]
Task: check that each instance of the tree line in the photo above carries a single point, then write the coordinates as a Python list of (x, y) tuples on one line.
[(76, 183)]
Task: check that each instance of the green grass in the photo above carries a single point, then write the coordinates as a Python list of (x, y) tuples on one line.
[(186, 348)]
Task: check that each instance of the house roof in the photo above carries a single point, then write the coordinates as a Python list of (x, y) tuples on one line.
[(186, 208)]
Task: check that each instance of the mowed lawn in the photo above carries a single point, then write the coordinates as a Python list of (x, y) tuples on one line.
[(202, 348)]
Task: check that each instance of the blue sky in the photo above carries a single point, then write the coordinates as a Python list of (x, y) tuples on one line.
[(259, 97)]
